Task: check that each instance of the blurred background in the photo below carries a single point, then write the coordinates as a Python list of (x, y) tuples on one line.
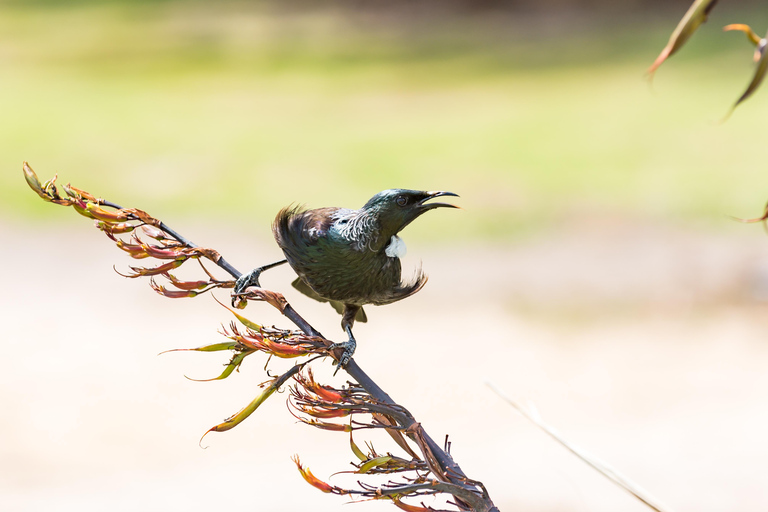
[(594, 270)]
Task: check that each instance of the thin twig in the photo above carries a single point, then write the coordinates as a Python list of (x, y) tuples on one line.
[(600, 466)]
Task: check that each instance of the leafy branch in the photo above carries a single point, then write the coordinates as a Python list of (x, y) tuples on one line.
[(427, 469)]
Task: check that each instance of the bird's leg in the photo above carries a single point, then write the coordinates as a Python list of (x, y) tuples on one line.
[(349, 349), (252, 278), (349, 346)]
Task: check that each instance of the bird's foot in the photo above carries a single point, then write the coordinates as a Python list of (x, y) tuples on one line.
[(349, 349), (244, 281), (250, 279)]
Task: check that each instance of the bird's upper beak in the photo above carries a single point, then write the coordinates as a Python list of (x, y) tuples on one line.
[(424, 206)]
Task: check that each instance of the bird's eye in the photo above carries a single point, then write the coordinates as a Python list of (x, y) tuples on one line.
[(402, 200)]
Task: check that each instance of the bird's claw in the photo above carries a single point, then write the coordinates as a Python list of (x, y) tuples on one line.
[(244, 281), (346, 356), (252, 279), (249, 279)]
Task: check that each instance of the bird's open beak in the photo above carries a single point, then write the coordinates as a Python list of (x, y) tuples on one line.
[(424, 206)]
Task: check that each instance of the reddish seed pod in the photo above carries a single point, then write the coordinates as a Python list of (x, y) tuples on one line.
[(102, 214), (115, 229), (162, 254), (310, 478), (140, 271)]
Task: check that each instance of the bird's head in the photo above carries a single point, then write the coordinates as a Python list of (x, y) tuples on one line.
[(396, 208)]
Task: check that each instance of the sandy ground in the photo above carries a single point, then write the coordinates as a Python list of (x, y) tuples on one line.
[(644, 344)]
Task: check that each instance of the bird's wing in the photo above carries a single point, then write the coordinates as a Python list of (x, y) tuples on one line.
[(404, 289), (297, 232)]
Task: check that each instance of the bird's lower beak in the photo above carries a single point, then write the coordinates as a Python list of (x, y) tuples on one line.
[(424, 206)]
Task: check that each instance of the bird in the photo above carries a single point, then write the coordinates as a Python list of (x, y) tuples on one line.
[(351, 258)]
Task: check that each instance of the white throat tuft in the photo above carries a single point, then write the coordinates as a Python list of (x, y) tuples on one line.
[(396, 247)]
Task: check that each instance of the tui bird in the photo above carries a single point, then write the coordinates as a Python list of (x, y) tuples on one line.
[(350, 257)]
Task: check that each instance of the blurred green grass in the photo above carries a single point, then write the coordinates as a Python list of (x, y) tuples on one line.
[(231, 111)]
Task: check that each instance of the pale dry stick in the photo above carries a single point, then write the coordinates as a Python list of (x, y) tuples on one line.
[(603, 468)]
